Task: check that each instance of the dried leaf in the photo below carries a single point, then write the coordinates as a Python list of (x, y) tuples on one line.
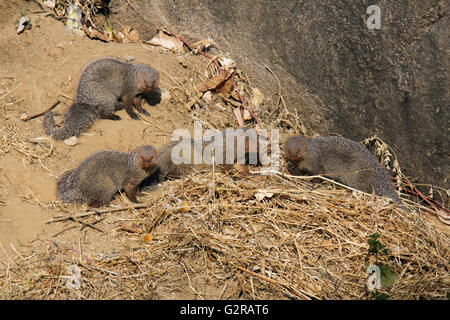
[(108, 36), (444, 217), (131, 35), (49, 4), (238, 115), (22, 22), (220, 106), (207, 97), (247, 115), (118, 37), (241, 168), (258, 129), (214, 82), (95, 34), (257, 98), (225, 88), (261, 194), (165, 40), (227, 63)]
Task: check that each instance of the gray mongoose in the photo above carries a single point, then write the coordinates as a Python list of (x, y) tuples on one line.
[(97, 178), (169, 169), (340, 159), (104, 84)]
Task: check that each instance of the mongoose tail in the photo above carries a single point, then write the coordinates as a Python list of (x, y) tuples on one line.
[(78, 118)]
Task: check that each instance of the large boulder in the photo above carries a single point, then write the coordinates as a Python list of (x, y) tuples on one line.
[(340, 76)]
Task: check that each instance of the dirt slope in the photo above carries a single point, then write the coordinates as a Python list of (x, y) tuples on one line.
[(35, 68)]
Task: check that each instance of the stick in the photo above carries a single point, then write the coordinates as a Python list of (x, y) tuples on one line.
[(42, 113), (92, 211), (284, 285), (85, 224), (39, 5)]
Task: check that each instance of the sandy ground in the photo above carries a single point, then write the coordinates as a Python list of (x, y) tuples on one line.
[(36, 67)]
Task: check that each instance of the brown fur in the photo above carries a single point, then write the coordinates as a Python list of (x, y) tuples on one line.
[(104, 84), (340, 159), (97, 179)]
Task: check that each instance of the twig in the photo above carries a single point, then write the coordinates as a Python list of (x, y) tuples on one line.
[(39, 5), (287, 286), (86, 224), (42, 113), (95, 222), (431, 202), (93, 211)]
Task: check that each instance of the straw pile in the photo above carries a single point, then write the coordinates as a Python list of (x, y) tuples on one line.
[(212, 238)]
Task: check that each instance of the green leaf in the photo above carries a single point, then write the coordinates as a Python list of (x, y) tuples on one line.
[(380, 295), (387, 276)]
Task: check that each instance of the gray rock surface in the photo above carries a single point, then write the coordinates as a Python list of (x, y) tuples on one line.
[(339, 75)]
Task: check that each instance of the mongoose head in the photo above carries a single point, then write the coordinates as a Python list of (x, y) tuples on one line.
[(295, 149), (148, 80), (147, 158), (250, 140)]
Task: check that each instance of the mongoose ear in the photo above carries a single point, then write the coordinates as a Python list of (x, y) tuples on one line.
[(156, 81), (305, 146)]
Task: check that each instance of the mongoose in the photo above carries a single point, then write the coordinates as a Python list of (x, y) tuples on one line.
[(340, 159), (104, 84), (202, 149), (96, 180)]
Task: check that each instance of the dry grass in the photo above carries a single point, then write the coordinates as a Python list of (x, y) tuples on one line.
[(302, 242)]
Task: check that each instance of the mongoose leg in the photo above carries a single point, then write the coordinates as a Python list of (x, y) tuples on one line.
[(114, 117), (94, 204), (130, 191), (138, 105), (128, 104)]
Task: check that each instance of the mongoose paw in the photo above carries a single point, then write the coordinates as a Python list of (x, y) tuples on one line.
[(144, 112), (134, 116), (94, 204), (139, 193), (115, 117)]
